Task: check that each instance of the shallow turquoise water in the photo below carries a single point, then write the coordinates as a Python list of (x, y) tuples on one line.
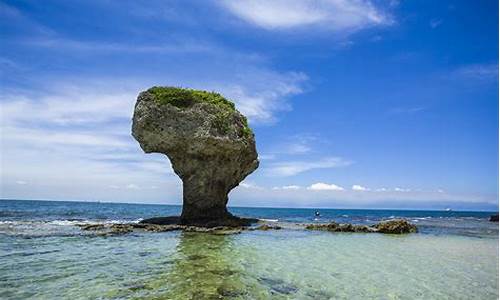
[(55, 260)]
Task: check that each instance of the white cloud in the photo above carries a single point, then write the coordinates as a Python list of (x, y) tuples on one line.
[(336, 15), (398, 189), (320, 186), (21, 182), (290, 168), (291, 187), (357, 187)]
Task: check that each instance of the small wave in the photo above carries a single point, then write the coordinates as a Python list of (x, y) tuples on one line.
[(91, 222), (269, 220)]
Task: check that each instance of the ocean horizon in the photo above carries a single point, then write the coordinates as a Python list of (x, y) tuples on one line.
[(445, 207)]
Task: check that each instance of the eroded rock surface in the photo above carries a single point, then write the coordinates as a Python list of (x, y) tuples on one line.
[(208, 142)]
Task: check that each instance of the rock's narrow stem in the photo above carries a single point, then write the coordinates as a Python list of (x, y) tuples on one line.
[(204, 200)]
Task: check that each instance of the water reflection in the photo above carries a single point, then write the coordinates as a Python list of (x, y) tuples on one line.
[(206, 266)]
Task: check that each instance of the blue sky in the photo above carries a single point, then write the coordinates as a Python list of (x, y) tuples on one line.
[(369, 104)]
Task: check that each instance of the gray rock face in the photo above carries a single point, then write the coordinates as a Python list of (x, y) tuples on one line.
[(208, 142)]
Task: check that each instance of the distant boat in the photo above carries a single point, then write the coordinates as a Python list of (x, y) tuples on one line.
[(448, 209)]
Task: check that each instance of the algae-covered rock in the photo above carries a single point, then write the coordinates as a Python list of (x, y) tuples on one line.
[(266, 227), (336, 227), (397, 226), (209, 143)]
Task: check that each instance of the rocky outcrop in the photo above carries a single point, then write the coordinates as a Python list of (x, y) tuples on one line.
[(209, 144), (119, 229), (266, 227), (494, 218), (397, 226)]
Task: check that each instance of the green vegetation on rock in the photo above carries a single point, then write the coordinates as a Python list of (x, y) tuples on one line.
[(180, 97), (184, 98)]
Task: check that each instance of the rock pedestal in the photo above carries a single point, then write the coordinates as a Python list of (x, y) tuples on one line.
[(209, 144)]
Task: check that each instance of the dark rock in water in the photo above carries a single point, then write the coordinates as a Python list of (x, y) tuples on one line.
[(208, 142), (393, 226), (228, 222), (162, 220), (121, 228), (397, 226), (116, 229), (494, 218), (335, 227), (266, 227), (91, 226)]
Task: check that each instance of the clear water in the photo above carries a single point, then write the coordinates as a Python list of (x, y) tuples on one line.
[(44, 256)]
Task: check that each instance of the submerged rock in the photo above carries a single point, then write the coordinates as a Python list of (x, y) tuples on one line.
[(278, 286), (209, 143), (397, 226), (494, 218), (266, 227)]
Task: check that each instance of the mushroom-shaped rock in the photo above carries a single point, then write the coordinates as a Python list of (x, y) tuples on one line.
[(209, 143)]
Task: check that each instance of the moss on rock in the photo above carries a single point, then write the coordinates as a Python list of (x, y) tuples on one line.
[(184, 97)]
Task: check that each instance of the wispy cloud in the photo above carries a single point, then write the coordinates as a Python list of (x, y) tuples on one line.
[(287, 187), (407, 110), (320, 186), (65, 44), (434, 23), (336, 15), (478, 71), (260, 93), (293, 145), (290, 168)]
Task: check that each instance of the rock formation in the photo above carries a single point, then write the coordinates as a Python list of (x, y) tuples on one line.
[(209, 143), (397, 226), (494, 218)]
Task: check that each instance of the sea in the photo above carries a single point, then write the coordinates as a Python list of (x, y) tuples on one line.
[(44, 255)]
